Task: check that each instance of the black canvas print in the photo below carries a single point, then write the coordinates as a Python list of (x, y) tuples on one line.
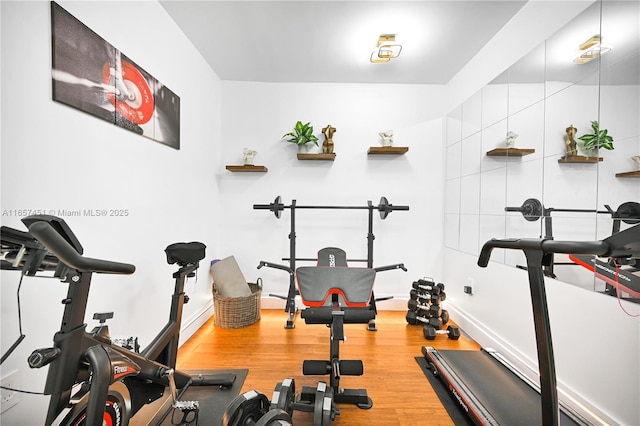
[(91, 75)]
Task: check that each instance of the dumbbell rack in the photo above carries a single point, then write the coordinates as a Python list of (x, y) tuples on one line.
[(425, 308)]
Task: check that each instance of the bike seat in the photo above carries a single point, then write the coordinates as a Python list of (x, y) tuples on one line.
[(185, 253)]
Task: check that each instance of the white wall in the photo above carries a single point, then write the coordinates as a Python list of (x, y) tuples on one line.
[(55, 157), (256, 115)]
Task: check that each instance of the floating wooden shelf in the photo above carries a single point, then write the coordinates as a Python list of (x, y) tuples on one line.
[(510, 152), (247, 168), (635, 173), (580, 159), (321, 157), (387, 150)]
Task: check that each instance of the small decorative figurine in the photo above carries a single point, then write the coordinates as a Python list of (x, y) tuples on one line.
[(570, 142), (247, 155), (387, 138), (511, 139), (636, 159), (327, 145)]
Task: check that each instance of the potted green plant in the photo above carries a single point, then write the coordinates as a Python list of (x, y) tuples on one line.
[(302, 135), (598, 139)]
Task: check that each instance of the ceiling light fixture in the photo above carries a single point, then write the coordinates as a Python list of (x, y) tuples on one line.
[(590, 43), (386, 50), (591, 49)]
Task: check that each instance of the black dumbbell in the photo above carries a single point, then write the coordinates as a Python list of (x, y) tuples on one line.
[(414, 319), (444, 316), (430, 282), (452, 332), (427, 310), (427, 297), (428, 285), (252, 408)]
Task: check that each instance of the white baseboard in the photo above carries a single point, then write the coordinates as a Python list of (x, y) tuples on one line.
[(190, 327)]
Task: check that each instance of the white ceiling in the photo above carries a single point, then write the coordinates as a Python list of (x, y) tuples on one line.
[(331, 41)]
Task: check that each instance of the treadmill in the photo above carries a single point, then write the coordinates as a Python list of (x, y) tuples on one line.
[(484, 385)]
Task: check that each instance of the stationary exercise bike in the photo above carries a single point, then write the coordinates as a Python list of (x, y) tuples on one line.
[(114, 382)]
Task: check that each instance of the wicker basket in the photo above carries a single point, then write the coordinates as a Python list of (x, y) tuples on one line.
[(237, 312)]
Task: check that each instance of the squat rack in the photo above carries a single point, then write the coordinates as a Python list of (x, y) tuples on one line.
[(383, 207)]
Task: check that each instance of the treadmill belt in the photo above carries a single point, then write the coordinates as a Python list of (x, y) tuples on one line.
[(504, 395)]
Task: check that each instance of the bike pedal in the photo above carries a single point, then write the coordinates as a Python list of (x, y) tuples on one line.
[(186, 405)]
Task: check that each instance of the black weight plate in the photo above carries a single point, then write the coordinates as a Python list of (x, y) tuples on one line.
[(232, 409), (328, 413), (276, 395), (275, 417), (284, 395), (532, 209), (277, 207), (319, 408), (246, 408), (383, 207)]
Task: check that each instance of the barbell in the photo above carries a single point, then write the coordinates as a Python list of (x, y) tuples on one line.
[(532, 210), (384, 207)]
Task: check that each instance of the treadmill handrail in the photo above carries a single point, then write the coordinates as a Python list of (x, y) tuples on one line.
[(61, 248), (597, 248), (621, 244)]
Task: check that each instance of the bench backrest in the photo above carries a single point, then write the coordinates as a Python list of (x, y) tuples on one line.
[(332, 276)]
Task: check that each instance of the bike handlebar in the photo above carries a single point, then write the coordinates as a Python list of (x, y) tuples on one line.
[(597, 248), (61, 248)]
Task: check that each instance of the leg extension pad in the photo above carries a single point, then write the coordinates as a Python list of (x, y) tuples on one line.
[(319, 368)]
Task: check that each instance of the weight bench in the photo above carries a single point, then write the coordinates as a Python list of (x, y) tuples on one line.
[(336, 295)]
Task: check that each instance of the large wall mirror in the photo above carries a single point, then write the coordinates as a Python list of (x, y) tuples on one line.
[(544, 184)]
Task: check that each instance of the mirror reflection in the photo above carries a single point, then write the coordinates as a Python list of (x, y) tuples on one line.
[(538, 174)]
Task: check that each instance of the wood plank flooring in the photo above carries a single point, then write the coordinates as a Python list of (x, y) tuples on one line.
[(400, 392)]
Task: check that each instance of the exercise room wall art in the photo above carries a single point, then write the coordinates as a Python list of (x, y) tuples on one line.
[(91, 75)]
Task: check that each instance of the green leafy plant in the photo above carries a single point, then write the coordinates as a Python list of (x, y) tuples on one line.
[(302, 134), (598, 139)]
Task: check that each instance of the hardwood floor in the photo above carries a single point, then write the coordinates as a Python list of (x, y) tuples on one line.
[(400, 392)]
